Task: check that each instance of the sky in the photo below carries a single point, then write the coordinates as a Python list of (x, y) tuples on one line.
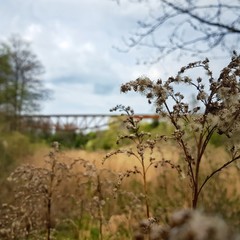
[(75, 40)]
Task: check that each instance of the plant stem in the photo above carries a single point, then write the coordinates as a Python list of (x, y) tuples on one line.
[(145, 189)]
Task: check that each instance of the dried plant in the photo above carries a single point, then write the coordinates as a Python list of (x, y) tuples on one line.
[(143, 151), (37, 189), (63, 190), (217, 110), (185, 225), (94, 191)]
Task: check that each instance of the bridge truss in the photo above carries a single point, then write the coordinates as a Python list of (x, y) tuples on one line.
[(74, 122)]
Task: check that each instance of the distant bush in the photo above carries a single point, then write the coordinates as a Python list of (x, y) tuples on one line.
[(105, 139), (217, 140), (69, 139), (13, 146)]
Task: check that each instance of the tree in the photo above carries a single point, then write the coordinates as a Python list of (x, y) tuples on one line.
[(21, 89), (217, 111), (5, 71), (187, 26)]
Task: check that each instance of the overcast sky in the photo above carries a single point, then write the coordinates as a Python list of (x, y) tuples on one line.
[(74, 40)]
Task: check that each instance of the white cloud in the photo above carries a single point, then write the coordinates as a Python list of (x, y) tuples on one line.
[(89, 47), (64, 45), (73, 39), (32, 32), (81, 98)]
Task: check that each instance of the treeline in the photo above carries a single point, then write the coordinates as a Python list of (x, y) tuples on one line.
[(107, 139)]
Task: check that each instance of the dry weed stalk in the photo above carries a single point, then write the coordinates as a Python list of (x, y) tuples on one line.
[(217, 110), (95, 185), (142, 151)]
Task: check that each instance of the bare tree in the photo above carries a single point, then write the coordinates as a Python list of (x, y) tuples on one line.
[(5, 71), (21, 86), (187, 26)]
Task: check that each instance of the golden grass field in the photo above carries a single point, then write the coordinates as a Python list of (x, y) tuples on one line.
[(121, 162), (172, 188)]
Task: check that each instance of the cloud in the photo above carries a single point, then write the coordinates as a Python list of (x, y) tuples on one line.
[(74, 41), (32, 32), (81, 98)]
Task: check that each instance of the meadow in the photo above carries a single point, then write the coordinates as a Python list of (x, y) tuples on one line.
[(64, 193)]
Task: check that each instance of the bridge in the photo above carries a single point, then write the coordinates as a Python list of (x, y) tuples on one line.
[(74, 122)]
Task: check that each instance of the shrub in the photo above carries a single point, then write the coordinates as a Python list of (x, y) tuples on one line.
[(13, 146)]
